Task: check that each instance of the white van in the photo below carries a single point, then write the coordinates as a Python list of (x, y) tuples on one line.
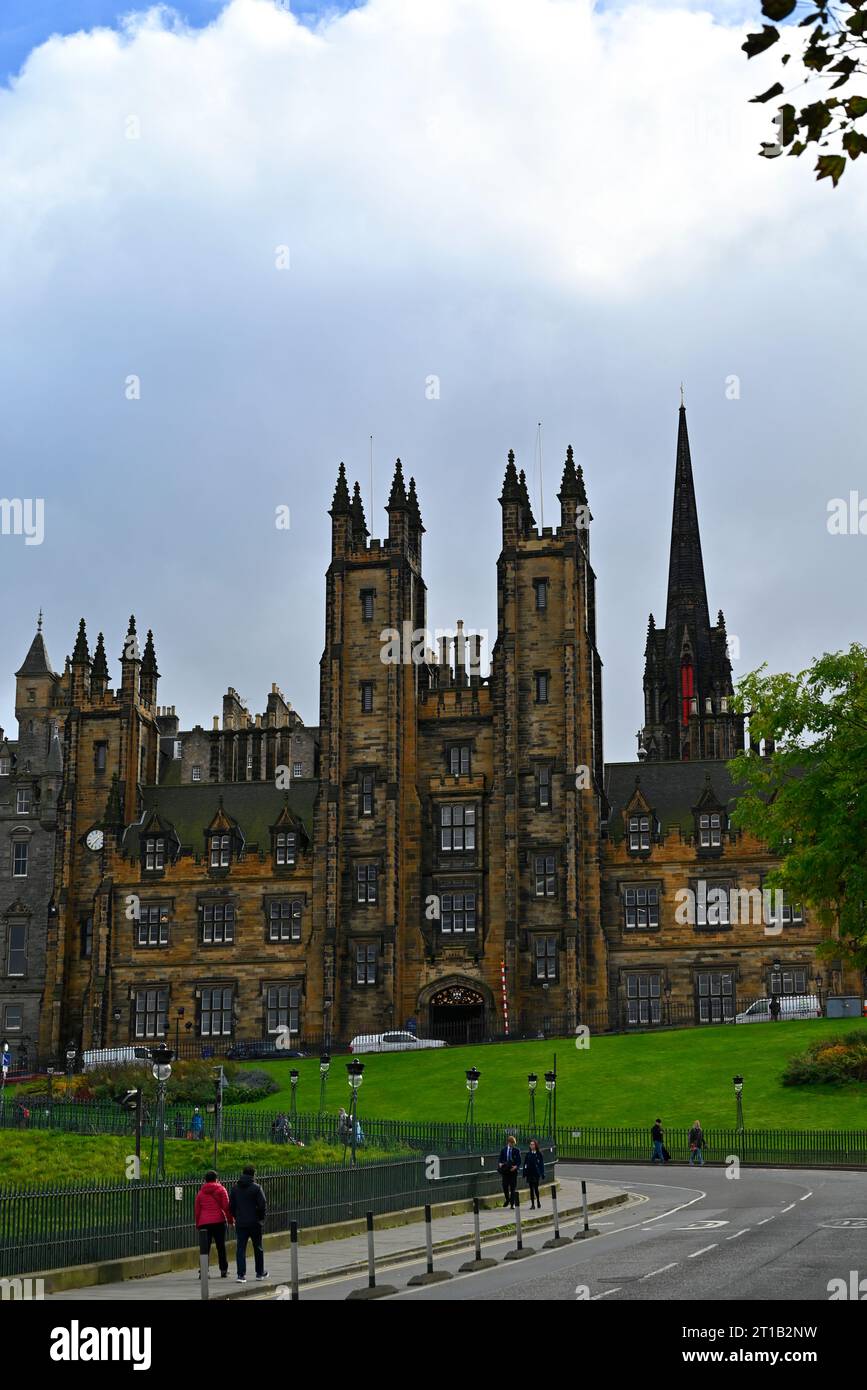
[(791, 1006), (112, 1057)]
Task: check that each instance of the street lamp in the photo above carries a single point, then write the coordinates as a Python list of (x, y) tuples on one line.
[(355, 1073), (161, 1070), (117, 1015), (70, 1067), (50, 1071), (532, 1083), (293, 1082), (738, 1082), (550, 1089), (324, 1066), (472, 1086)]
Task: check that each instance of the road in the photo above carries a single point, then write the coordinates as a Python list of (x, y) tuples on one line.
[(688, 1233)]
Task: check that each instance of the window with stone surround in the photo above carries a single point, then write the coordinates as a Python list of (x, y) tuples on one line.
[(715, 996), (457, 828), (220, 851), (542, 681), (366, 957), (215, 1011), (365, 794), (366, 697), (22, 801), (20, 858), (218, 923), (285, 848), (154, 853), (640, 908), (540, 588), (152, 927), (545, 873), (643, 989), (545, 957), (639, 833), (150, 1009), (543, 787), (458, 759), (284, 919), (16, 950), (366, 883), (457, 911), (711, 825), (283, 1007)]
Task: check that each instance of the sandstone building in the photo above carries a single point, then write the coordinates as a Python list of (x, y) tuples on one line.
[(443, 847)]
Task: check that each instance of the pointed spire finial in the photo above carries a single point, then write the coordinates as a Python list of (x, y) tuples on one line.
[(397, 496), (39, 622), (80, 652), (340, 503), (682, 405)]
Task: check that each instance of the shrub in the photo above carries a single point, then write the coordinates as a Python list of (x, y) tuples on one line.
[(192, 1083), (833, 1061)]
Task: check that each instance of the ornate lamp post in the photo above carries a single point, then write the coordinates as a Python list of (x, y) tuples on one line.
[(355, 1073), (70, 1067), (324, 1066), (550, 1089), (117, 1015), (738, 1082), (161, 1070), (50, 1071), (472, 1086), (532, 1083), (293, 1082)]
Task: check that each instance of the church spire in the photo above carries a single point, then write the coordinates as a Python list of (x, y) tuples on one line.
[(397, 496), (359, 524), (687, 595), (340, 504)]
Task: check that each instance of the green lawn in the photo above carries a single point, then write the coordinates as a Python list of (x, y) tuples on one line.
[(627, 1079), (40, 1158)]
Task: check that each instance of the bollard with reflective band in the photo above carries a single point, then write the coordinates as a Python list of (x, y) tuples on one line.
[(373, 1289), (470, 1266), (556, 1239), (587, 1231), (431, 1276), (521, 1251), (293, 1260)]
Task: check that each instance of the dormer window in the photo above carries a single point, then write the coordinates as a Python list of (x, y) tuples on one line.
[(155, 853), (639, 833), (221, 851), (710, 830), (285, 846)]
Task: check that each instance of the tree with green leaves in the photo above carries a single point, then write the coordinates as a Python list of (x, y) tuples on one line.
[(808, 800), (832, 53)]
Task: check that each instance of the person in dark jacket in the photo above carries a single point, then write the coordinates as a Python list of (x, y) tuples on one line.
[(534, 1171), (509, 1166), (776, 1008), (212, 1213), (696, 1144), (657, 1134), (248, 1207)]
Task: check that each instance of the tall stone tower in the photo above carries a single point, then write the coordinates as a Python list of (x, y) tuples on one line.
[(687, 674), (548, 753), (367, 813)]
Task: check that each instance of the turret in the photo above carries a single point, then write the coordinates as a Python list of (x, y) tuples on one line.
[(80, 667), (130, 663), (149, 673), (341, 516)]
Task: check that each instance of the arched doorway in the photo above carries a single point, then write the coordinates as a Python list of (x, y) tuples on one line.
[(457, 1014)]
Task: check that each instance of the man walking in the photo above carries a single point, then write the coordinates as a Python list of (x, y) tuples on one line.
[(696, 1144), (248, 1206), (510, 1166), (657, 1134)]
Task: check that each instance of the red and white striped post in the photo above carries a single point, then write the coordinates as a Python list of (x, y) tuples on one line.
[(505, 997)]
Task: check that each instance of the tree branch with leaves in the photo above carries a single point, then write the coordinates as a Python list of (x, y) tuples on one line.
[(832, 53), (808, 800)]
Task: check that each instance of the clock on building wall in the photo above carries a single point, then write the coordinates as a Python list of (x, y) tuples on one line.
[(94, 839)]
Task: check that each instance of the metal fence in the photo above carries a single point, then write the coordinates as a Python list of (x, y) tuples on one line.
[(74, 1225), (620, 1144)]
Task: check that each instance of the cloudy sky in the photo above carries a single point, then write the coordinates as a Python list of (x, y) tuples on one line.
[(555, 208)]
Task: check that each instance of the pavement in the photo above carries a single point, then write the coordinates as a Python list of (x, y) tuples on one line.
[(347, 1258)]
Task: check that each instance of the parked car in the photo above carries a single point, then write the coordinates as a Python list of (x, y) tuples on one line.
[(791, 1006), (391, 1042)]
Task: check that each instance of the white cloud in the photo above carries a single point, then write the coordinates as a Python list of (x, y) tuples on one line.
[(544, 203)]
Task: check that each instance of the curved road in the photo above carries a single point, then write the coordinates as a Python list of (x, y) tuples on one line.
[(687, 1233)]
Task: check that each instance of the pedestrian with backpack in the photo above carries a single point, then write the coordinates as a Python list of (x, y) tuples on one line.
[(248, 1207)]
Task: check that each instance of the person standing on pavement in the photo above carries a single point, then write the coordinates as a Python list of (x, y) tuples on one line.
[(534, 1172), (696, 1144), (197, 1124), (213, 1213), (248, 1207), (510, 1166), (657, 1134)]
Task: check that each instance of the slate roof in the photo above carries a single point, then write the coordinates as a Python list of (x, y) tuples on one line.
[(672, 788), (256, 806)]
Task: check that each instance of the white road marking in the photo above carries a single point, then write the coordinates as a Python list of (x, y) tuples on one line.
[(766, 1220), (803, 1199), (659, 1271), (788, 1208), (606, 1293), (696, 1253), (738, 1233)]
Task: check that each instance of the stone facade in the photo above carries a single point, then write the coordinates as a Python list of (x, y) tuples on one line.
[(443, 847)]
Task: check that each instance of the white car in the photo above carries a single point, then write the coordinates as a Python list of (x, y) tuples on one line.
[(791, 1006), (391, 1042)]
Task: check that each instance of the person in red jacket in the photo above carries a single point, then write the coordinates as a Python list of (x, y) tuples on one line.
[(212, 1214)]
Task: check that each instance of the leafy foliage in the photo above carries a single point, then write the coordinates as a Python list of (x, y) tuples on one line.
[(192, 1083), (834, 1060), (831, 53), (808, 801)]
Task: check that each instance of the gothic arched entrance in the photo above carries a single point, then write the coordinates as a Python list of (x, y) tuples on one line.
[(457, 1014)]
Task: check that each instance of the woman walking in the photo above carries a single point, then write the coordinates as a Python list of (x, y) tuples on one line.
[(534, 1172), (696, 1144), (212, 1215)]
